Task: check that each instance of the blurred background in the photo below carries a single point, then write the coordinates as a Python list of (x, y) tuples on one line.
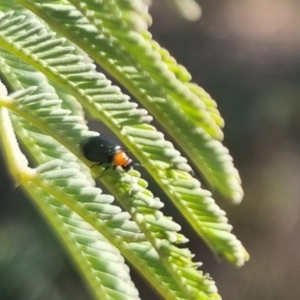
[(246, 55)]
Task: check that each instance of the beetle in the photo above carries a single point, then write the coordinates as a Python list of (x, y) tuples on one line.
[(105, 151)]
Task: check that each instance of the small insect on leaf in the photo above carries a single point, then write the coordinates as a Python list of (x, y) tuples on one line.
[(105, 151)]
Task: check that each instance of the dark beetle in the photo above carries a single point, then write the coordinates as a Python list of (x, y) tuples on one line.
[(104, 151)]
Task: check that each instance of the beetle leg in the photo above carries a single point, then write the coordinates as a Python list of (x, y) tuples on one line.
[(106, 168), (96, 164)]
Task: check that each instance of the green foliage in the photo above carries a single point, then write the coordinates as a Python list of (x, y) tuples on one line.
[(52, 83), (189, 9)]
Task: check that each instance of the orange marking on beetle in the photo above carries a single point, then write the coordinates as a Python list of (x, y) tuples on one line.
[(120, 158)]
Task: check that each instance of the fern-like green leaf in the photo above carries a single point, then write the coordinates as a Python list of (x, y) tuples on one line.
[(157, 156), (134, 60), (22, 99), (49, 121)]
